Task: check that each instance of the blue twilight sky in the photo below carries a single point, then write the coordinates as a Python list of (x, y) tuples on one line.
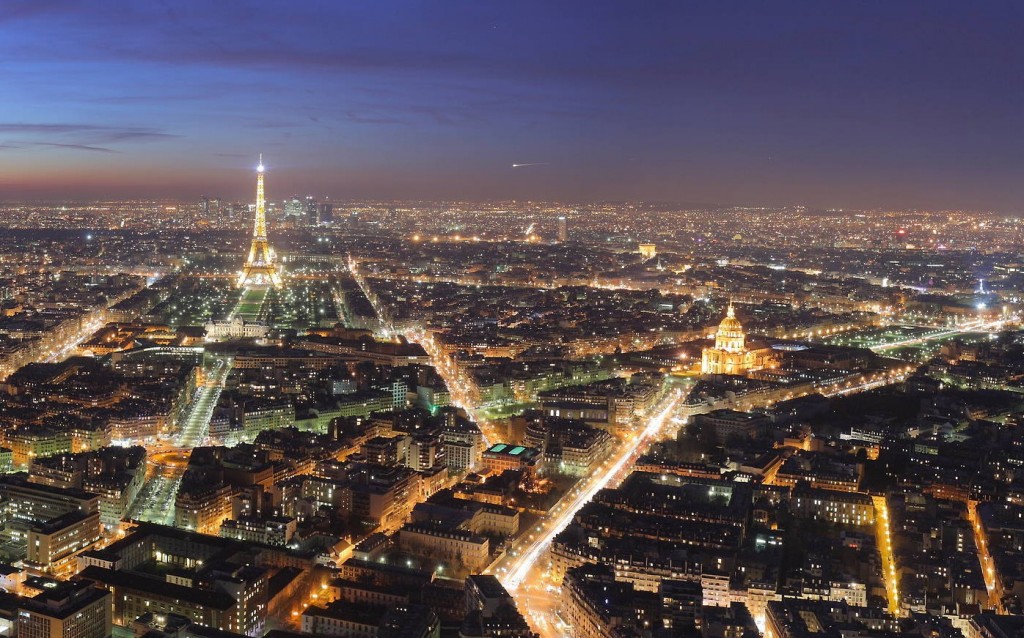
[(847, 103)]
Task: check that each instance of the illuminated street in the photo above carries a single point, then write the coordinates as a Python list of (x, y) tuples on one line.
[(155, 502), (196, 425), (62, 351), (524, 568), (883, 539), (972, 326), (460, 387), (988, 565)]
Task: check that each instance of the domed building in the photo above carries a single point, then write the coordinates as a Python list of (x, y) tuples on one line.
[(731, 354)]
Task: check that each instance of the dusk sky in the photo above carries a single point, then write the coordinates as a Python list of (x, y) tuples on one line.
[(828, 104)]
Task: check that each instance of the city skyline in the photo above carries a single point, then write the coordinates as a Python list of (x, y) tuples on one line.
[(469, 319), (873, 106)]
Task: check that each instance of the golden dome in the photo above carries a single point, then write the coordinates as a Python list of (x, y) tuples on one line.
[(730, 336), (730, 324)]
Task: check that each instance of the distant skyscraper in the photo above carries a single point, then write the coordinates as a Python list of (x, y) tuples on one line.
[(563, 229), (325, 214), (260, 268), (294, 207)]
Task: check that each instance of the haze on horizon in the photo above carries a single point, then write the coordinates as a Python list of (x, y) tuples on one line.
[(863, 105)]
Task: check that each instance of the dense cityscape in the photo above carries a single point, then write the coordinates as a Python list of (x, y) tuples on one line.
[(511, 320), (512, 419)]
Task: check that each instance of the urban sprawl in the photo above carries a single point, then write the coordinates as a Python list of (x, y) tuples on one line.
[(317, 417)]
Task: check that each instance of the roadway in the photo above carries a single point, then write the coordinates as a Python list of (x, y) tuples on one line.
[(61, 351), (167, 464), (865, 383), (884, 542), (155, 502), (94, 320), (196, 426), (522, 571), (974, 326), (461, 388), (988, 565)]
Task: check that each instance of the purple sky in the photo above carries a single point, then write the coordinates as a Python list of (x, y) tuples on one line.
[(845, 104)]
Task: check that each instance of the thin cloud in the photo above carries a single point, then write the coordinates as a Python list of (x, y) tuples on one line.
[(44, 128), (87, 134), (359, 118), (149, 99), (76, 147), (131, 135)]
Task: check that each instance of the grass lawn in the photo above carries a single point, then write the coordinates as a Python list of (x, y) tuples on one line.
[(250, 303)]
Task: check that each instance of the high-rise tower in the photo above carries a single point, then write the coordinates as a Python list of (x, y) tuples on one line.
[(260, 268)]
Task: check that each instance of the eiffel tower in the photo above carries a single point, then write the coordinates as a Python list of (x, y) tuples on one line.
[(260, 268)]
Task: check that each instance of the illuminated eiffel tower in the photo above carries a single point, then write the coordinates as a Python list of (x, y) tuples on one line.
[(260, 268)]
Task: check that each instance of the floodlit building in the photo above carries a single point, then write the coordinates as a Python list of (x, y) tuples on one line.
[(731, 354), (502, 456), (67, 610)]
